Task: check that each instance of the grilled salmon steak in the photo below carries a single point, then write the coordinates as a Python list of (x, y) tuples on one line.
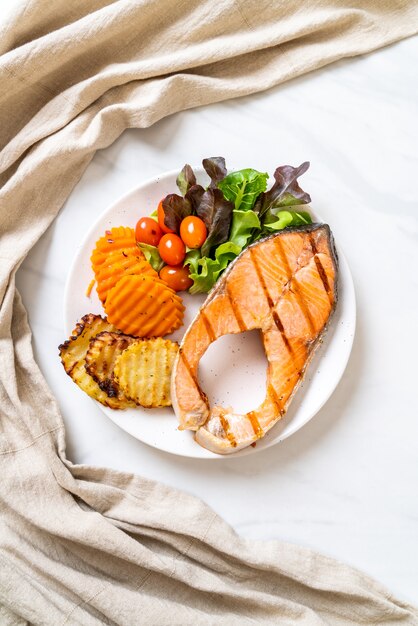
[(286, 286)]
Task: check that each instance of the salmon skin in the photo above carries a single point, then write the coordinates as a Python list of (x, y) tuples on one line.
[(286, 286)]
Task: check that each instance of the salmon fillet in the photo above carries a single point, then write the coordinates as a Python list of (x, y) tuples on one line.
[(286, 286)]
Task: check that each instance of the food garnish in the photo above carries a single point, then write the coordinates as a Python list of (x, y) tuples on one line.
[(286, 286), (102, 354), (236, 210), (143, 372), (144, 306)]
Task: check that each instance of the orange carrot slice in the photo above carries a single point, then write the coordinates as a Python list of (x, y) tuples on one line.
[(118, 238), (120, 263), (143, 306), (90, 287)]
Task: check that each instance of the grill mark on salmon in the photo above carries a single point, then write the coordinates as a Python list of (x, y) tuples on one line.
[(241, 325), (302, 304), (322, 273), (208, 326), (261, 279), (280, 327), (225, 426), (273, 395), (258, 431), (270, 302), (313, 244), (187, 365)]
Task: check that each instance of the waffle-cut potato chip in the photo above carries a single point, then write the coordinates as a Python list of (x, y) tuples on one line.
[(103, 351), (118, 238), (120, 263), (143, 371), (73, 353), (144, 306)]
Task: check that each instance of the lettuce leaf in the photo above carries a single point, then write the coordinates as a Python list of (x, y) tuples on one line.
[(194, 196), (216, 212), (245, 225), (243, 187), (175, 208), (152, 255), (205, 277), (205, 271), (226, 252), (186, 179), (283, 219), (216, 170), (192, 258), (285, 190)]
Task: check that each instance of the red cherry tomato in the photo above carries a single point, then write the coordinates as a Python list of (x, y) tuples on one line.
[(193, 231), (160, 213), (176, 276), (172, 250), (148, 231)]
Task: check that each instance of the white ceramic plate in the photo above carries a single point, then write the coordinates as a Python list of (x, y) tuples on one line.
[(233, 370)]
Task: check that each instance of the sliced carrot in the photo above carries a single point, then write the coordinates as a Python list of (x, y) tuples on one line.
[(120, 263), (118, 238), (144, 306), (90, 287)]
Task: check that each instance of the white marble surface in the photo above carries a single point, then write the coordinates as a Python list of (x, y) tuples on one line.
[(346, 484)]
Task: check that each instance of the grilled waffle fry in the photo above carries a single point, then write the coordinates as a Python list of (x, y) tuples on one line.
[(120, 263), (143, 371), (118, 238), (144, 306), (73, 353), (103, 351)]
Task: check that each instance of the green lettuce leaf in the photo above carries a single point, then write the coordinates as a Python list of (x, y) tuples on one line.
[(152, 255), (283, 219), (192, 258), (205, 271), (243, 187), (244, 225), (226, 252), (207, 274)]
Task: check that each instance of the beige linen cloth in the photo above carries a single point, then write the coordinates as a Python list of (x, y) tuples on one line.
[(87, 545)]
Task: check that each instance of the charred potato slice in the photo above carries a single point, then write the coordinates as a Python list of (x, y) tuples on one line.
[(143, 371), (73, 353), (103, 351)]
